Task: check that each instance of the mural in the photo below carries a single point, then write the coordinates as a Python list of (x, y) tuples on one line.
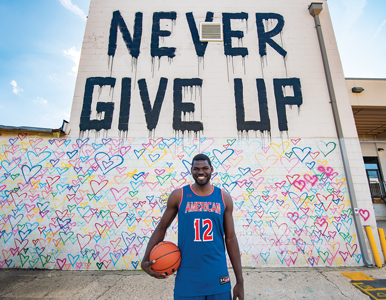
[(132, 37), (92, 201), (181, 108), (92, 204)]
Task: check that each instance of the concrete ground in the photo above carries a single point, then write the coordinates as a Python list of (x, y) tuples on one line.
[(266, 283)]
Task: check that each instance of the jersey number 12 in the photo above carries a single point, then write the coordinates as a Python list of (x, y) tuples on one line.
[(207, 226)]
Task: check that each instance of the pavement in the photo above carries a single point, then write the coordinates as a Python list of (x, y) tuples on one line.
[(263, 283)]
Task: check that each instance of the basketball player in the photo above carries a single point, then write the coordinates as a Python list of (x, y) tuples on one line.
[(205, 222)]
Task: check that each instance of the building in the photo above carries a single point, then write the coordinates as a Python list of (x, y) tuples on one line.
[(259, 87), (368, 104)]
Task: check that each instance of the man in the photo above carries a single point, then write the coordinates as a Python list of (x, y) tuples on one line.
[(204, 222)]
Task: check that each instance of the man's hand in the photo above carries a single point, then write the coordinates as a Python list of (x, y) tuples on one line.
[(146, 266), (238, 291)]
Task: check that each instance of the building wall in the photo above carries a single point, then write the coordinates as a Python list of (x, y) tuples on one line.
[(380, 209), (371, 98), (261, 112), (370, 149), (373, 94)]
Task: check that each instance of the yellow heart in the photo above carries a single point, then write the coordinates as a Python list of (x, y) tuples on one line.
[(131, 229), (132, 173), (100, 205), (279, 149), (128, 259), (148, 222), (57, 202)]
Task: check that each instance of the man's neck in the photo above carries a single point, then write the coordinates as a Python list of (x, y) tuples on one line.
[(202, 190)]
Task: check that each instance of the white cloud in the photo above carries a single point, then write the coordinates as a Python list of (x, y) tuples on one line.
[(379, 29), (40, 101), (16, 89), (74, 55), (73, 8)]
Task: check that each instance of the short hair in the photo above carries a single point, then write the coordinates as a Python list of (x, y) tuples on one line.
[(202, 157)]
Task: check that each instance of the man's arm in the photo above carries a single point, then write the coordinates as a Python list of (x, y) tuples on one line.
[(233, 247), (159, 233)]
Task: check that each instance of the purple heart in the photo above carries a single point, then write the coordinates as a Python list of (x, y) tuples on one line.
[(184, 174), (95, 255), (124, 251), (54, 161), (13, 141), (106, 141)]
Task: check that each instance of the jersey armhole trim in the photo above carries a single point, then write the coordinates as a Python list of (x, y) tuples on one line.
[(222, 198), (182, 196)]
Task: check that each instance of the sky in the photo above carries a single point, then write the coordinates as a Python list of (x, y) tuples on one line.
[(41, 41)]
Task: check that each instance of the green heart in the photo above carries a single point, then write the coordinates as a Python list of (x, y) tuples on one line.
[(71, 207), (82, 178), (23, 259), (231, 142), (326, 254), (15, 176), (45, 259), (275, 215), (104, 213), (99, 265), (65, 236), (133, 193)]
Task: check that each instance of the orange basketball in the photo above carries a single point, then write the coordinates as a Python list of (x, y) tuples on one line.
[(167, 257)]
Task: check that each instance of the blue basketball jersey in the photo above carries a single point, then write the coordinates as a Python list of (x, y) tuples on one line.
[(203, 269)]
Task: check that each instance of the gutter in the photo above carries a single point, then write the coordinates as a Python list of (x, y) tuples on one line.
[(315, 8), (26, 128), (55, 132)]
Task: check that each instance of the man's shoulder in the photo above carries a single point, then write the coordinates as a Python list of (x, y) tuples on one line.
[(226, 198), (176, 192), (175, 197)]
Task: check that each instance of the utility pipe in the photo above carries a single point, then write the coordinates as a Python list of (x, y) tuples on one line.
[(315, 8)]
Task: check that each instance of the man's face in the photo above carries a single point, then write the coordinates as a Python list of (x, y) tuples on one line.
[(201, 172)]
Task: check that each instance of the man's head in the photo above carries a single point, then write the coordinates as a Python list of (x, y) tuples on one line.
[(202, 157), (201, 169)]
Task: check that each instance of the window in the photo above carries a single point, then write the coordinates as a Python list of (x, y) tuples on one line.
[(375, 179)]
